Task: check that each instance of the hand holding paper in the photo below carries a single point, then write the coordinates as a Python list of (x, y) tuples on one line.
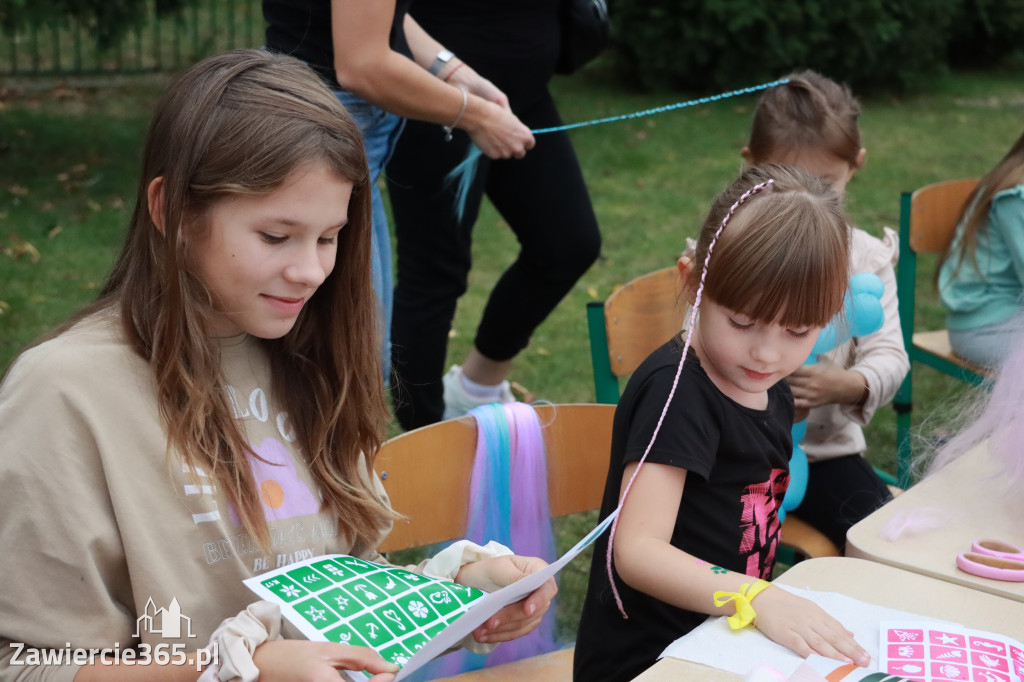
[(519, 618)]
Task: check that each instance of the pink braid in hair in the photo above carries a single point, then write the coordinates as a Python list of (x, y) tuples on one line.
[(675, 382)]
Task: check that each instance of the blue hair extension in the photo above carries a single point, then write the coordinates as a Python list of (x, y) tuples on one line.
[(490, 497), (462, 176)]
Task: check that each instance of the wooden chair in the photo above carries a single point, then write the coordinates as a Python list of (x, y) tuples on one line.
[(427, 474), (928, 218), (636, 319)]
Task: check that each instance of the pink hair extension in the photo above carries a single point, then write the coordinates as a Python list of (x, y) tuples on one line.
[(913, 522), (675, 382), (529, 520), (999, 419), (509, 504), (531, 515)]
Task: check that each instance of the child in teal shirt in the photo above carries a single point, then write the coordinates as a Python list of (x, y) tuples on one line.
[(981, 275)]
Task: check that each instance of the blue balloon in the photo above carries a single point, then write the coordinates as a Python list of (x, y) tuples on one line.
[(799, 430), (797, 480), (862, 315), (868, 283)]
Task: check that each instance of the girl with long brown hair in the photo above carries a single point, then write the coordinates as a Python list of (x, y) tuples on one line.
[(981, 279), (216, 413)]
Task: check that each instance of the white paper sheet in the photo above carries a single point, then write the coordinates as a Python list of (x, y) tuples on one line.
[(714, 644)]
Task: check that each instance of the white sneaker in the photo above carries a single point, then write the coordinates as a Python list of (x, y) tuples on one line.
[(457, 401)]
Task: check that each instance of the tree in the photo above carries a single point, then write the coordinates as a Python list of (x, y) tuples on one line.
[(107, 20)]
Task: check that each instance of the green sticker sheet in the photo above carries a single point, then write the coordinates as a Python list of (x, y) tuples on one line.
[(340, 598)]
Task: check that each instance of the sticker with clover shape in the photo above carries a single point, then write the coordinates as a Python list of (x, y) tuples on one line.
[(418, 608)]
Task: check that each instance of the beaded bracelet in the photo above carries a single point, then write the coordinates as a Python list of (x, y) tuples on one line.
[(745, 614)]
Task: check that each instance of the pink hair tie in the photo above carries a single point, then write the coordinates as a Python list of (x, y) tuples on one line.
[(675, 381)]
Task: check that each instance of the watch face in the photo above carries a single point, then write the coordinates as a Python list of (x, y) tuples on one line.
[(443, 57)]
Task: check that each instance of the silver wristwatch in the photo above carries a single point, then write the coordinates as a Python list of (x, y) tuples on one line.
[(441, 60)]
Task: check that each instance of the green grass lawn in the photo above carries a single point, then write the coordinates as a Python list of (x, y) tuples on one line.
[(68, 160)]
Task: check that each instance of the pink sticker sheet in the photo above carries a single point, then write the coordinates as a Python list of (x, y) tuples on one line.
[(920, 652)]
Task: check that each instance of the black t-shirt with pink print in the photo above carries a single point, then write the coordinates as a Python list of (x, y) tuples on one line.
[(737, 462)]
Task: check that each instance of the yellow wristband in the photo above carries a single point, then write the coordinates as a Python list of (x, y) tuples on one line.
[(745, 614)]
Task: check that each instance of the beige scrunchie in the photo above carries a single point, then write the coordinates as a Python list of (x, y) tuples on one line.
[(235, 640), (447, 563)]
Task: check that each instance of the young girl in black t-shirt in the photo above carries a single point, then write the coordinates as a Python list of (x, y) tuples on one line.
[(698, 525)]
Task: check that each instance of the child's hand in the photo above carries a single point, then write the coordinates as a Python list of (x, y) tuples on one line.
[(520, 618), (826, 383), (804, 627), (290, 659)]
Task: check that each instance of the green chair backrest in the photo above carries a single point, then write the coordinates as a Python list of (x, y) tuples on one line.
[(928, 219)]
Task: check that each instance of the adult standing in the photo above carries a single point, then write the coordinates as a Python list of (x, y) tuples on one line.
[(542, 197), (383, 67)]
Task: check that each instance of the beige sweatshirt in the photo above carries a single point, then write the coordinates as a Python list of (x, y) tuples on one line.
[(835, 430), (98, 533)]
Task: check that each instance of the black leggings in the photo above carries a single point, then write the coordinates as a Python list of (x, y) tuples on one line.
[(542, 198), (841, 492)]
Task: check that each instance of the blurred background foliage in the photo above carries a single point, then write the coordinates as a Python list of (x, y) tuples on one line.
[(692, 45), (873, 45)]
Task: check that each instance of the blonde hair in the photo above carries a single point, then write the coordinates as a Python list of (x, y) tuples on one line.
[(810, 112), (240, 123), (784, 256)]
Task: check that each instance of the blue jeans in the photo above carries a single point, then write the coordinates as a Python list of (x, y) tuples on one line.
[(380, 131)]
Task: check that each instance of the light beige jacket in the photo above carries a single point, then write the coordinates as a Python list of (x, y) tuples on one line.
[(835, 430)]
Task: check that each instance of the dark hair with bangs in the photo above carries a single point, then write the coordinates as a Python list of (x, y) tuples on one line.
[(784, 256)]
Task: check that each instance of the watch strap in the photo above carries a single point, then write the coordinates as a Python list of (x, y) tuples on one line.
[(441, 60)]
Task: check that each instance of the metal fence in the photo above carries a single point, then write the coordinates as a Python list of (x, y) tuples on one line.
[(164, 43)]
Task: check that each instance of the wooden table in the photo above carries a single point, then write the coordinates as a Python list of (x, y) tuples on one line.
[(877, 584), (976, 507)]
